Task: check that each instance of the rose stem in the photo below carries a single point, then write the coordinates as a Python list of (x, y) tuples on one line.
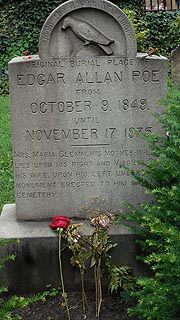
[(61, 275)]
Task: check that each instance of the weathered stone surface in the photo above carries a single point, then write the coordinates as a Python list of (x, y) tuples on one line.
[(75, 22), (74, 110), (175, 65)]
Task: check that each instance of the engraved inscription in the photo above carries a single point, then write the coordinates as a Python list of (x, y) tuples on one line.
[(36, 195), (62, 134), (86, 120), (93, 63), (60, 106), (95, 77), (86, 106), (34, 185), (79, 110), (41, 79), (145, 75), (133, 105), (135, 132)]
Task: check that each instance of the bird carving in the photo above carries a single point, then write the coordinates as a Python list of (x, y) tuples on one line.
[(88, 33)]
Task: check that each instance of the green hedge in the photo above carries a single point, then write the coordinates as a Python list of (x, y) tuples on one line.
[(21, 22), (164, 30), (158, 296)]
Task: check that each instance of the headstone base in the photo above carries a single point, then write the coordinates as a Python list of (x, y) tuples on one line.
[(36, 262)]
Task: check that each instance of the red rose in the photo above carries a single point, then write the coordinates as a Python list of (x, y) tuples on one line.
[(26, 52), (60, 222)]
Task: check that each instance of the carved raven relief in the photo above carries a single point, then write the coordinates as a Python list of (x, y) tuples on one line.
[(88, 33)]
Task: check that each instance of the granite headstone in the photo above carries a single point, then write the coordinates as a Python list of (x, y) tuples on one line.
[(74, 109)]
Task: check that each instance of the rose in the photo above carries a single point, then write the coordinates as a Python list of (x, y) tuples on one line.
[(26, 52), (60, 222), (104, 221), (28, 57)]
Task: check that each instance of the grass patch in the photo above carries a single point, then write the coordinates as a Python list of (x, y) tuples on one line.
[(6, 162)]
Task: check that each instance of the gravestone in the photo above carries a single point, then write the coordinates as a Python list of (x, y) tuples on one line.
[(175, 65), (75, 108), (76, 111)]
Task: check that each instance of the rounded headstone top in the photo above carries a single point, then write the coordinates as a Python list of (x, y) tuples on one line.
[(87, 28)]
